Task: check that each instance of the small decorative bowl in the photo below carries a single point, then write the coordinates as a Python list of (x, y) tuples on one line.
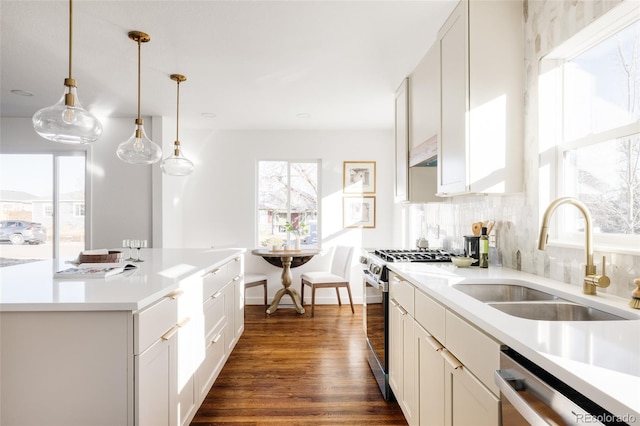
[(462, 262)]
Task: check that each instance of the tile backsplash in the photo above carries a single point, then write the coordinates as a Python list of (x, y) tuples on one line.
[(547, 25)]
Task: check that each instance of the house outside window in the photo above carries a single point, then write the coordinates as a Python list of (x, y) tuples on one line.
[(597, 96), (47, 210), (288, 202)]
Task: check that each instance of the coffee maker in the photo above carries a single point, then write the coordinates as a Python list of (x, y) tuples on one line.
[(472, 247)]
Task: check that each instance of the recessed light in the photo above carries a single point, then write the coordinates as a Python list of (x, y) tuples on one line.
[(21, 92), (208, 115), (303, 115)]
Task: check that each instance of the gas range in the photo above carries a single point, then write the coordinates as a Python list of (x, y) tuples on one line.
[(374, 262), (424, 255)]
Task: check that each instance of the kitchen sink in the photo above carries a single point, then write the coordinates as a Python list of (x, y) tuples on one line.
[(555, 311), (503, 292)]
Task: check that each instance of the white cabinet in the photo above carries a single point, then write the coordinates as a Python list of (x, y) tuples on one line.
[(441, 367), (417, 120), (424, 101), (482, 98), (402, 356), (431, 375), (152, 366), (402, 141)]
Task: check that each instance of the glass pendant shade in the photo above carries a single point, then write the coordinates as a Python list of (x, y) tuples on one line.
[(176, 164), (139, 149), (67, 123)]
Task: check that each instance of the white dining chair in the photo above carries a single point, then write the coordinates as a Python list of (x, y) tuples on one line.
[(337, 277)]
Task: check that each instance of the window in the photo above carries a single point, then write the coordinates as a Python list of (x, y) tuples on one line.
[(48, 189), (288, 195), (598, 136)]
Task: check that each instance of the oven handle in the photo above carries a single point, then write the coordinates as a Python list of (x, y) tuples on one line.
[(379, 285), (519, 403)]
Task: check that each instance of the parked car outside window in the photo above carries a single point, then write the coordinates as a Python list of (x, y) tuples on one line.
[(22, 231)]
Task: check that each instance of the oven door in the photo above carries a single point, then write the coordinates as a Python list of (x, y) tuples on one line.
[(376, 324)]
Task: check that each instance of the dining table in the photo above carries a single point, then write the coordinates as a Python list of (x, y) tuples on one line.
[(286, 259)]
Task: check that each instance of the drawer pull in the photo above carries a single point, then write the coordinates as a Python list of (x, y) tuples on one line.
[(216, 295), (216, 339), (236, 278), (170, 333), (212, 272), (237, 259), (175, 294), (433, 342), (452, 360), (184, 322)]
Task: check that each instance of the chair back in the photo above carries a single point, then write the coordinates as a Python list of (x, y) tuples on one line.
[(341, 262)]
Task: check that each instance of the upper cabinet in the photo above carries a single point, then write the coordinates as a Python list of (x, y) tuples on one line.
[(481, 99), (417, 127)]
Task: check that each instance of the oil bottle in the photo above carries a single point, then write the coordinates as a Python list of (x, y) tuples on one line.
[(484, 249)]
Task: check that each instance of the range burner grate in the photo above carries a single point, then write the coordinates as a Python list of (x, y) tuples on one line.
[(427, 255)]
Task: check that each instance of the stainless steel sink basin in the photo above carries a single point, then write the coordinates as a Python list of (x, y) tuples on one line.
[(503, 292), (555, 311)]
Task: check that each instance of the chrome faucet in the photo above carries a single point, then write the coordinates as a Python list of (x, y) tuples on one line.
[(591, 279)]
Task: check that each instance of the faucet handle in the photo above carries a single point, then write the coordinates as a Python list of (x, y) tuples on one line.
[(593, 280)]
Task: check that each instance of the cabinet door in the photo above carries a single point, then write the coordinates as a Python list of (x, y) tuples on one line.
[(155, 391), (424, 100), (396, 334), (409, 402), (431, 379), (468, 402), (402, 141), (452, 145)]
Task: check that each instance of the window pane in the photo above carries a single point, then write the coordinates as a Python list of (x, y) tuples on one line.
[(26, 193), (602, 85), (606, 177), (71, 210)]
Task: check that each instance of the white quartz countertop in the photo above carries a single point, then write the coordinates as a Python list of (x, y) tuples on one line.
[(31, 286), (600, 359)]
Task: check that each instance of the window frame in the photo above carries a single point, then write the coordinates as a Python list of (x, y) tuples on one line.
[(318, 163), (551, 127)]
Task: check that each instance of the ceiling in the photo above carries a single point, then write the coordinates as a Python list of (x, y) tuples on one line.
[(253, 64)]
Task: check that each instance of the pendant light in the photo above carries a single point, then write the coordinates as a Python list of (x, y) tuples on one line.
[(176, 164), (67, 121), (139, 149)]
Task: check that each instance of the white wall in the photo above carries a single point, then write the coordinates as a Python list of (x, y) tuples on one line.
[(216, 205)]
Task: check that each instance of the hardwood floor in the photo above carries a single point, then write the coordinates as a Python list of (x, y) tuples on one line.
[(296, 370)]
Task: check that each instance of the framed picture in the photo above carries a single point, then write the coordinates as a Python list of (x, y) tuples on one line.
[(359, 212), (359, 177)]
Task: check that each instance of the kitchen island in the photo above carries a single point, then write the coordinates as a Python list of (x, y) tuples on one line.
[(139, 348), (599, 359)]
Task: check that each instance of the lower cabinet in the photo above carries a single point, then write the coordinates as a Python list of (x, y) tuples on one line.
[(435, 383), (431, 377), (156, 391)]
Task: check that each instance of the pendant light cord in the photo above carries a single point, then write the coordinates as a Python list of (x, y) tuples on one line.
[(178, 112), (139, 42), (70, 38)]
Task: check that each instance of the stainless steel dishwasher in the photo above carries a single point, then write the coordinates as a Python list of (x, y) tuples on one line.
[(531, 396)]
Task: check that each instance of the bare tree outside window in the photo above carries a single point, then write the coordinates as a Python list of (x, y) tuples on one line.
[(602, 98), (287, 202)]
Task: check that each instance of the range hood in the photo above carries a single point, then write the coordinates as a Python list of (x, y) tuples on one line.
[(425, 154)]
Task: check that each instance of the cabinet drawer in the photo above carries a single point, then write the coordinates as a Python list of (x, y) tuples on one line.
[(430, 315), (214, 312), (152, 322), (214, 280), (234, 268), (403, 292), (478, 352), (213, 360)]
